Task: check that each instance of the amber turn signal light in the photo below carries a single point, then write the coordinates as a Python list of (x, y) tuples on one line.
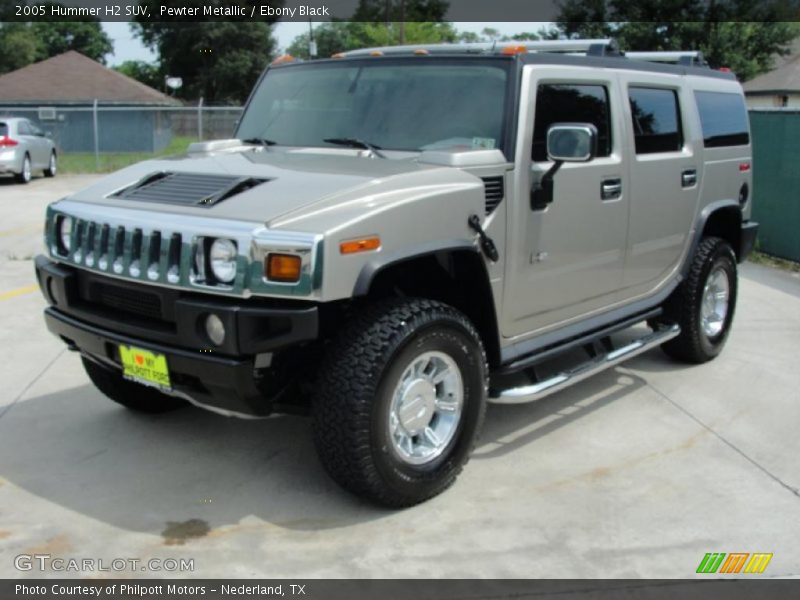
[(282, 267), (363, 245)]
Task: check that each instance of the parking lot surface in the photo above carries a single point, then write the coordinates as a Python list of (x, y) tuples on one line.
[(637, 472)]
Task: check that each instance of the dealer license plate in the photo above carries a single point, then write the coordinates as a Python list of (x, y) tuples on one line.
[(145, 367)]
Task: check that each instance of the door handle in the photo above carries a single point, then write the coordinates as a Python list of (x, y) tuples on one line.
[(610, 189), (689, 178)]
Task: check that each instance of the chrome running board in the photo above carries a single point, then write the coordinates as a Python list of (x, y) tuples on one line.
[(537, 391)]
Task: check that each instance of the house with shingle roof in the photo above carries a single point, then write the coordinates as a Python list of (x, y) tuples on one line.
[(779, 88), (59, 94)]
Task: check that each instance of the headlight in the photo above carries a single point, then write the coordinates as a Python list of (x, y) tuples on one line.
[(222, 258), (64, 234)]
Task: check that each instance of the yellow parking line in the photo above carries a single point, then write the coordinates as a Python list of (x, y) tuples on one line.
[(18, 292)]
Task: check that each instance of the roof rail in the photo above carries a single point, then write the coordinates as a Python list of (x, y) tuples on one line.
[(596, 47), (591, 47), (688, 58)]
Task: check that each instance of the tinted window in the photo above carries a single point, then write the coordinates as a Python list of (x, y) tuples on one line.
[(723, 118), (405, 105), (656, 120), (565, 103), (3, 130)]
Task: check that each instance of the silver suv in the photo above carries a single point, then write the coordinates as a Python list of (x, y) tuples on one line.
[(396, 236)]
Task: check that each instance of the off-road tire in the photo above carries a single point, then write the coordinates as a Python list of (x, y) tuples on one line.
[(52, 168), (351, 405), (25, 176), (684, 306), (130, 395)]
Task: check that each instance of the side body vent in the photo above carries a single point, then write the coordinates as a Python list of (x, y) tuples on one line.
[(494, 190), (187, 189)]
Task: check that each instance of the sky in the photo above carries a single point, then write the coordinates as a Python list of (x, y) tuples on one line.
[(127, 47)]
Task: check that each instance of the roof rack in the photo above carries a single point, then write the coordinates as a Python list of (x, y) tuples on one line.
[(688, 58), (590, 47), (596, 47)]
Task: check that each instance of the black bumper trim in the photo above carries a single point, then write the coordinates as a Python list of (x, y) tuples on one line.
[(252, 326), (219, 382)]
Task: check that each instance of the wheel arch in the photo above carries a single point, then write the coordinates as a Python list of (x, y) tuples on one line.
[(452, 272), (721, 219)]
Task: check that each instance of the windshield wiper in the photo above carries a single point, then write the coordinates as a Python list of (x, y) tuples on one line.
[(260, 141), (356, 143)]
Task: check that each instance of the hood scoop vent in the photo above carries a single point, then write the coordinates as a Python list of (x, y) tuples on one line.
[(187, 189)]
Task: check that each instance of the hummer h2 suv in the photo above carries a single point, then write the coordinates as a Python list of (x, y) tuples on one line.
[(395, 236)]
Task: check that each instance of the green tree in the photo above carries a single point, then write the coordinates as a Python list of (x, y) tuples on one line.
[(19, 46), (218, 60), (144, 72), (88, 38), (743, 36)]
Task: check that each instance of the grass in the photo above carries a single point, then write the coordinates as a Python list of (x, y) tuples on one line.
[(84, 162), (760, 258)]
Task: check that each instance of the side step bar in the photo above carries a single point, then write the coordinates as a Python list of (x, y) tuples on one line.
[(537, 391)]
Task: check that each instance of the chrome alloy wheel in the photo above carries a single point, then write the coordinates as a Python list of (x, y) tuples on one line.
[(426, 408), (716, 299), (53, 166)]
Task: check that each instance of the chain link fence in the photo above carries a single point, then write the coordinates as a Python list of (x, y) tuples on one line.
[(100, 138)]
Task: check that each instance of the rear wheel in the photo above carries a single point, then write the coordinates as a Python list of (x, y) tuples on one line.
[(52, 166), (400, 402), (130, 395), (24, 176), (704, 303)]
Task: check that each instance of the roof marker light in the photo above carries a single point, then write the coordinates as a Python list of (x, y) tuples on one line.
[(514, 50), (284, 58)]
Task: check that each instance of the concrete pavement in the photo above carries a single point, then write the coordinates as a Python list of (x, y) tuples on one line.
[(637, 472)]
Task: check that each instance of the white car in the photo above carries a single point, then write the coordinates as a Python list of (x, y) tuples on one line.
[(25, 148)]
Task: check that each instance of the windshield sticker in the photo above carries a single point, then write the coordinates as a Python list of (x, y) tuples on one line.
[(479, 143)]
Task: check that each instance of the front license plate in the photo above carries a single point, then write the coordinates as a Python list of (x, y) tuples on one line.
[(143, 366)]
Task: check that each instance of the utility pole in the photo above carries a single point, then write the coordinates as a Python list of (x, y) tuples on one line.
[(312, 45), (402, 22)]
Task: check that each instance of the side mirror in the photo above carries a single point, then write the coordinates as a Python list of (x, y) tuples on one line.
[(566, 142), (572, 142)]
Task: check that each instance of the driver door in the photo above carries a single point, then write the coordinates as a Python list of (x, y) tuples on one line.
[(566, 256)]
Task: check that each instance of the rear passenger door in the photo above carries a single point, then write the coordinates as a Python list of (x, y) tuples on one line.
[(665, 171)]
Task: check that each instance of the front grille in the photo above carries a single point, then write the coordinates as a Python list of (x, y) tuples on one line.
[(493, 189), (128, 300), (187, 189)]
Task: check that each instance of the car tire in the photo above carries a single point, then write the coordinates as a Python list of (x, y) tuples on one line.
[(24, 176), (131, 395), (376, 390), (50, 171), (704, 303)]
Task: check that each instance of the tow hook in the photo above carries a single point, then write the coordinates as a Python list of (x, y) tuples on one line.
[(487, 244)]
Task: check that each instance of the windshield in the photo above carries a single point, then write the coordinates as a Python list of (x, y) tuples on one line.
[(403, 105)]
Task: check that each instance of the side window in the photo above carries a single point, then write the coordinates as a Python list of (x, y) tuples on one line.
[(723, 117), (656, 120), (571, 103), (23, 128)]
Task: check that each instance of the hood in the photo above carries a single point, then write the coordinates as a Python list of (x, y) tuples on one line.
[(291, 181)]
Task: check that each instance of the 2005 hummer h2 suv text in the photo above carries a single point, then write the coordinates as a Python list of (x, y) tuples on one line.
[(397, 236)]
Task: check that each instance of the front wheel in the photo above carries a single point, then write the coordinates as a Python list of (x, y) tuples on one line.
[(704, 303), (52, 166), (400, 401)]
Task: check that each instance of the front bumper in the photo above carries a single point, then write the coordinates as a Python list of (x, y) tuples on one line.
[(96, 314)]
